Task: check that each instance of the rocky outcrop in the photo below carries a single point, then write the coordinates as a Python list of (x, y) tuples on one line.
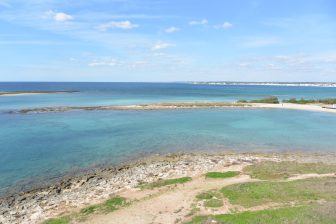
[(70, 193)]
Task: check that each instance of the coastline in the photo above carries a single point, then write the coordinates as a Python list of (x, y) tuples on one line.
[(180, 105), (291, 106), (72, 194), (293, 84)]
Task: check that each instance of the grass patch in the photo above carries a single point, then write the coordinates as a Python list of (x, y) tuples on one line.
[(281, 170), (211, 199), (271, 100), (204, 196), (222, 174), (113, 204), (297, 215), (62, 220), (90, 209), (258, 193), (161, 183), (209, 195), (213, 203), (108, 206)]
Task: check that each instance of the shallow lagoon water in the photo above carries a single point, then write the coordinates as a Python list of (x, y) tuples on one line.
[(41, 145), (38, 146)]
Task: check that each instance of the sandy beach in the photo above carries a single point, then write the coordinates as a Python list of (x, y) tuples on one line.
[(308, 107)]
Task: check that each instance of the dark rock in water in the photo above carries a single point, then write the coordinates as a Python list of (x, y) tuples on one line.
[(66, 184), (58, 190), (90, 177), (22, 198)]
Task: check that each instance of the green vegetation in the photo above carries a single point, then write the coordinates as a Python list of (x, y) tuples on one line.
[(305, 194), (211, 198), (90, 209), (222, 174), (62, 220), (282, 170), (114, 203), (213, 203), (271, 99), (321, 214), (301, 101), (106, 207), (311, 101), (204, 196), (258, 193), (209, 195), (161, 183)]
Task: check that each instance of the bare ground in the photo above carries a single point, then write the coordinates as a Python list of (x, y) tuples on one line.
[(175, 204), (167, 205)]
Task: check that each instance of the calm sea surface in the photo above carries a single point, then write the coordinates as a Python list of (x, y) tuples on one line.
[(36, 146)]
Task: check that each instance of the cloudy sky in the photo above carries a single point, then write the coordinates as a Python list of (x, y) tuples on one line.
[(167, 40)]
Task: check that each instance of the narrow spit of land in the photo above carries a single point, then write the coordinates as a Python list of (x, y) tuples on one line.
[(15, 93), (189, 188), (186, 105), (321, 105)]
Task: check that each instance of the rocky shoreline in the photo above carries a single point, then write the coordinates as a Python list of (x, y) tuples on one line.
[(156, 106), (71, 194)]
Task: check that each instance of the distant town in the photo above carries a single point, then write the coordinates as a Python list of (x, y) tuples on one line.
[(224, 83)]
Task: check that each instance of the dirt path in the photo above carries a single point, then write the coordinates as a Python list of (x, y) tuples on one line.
[(168, 205), (310, 175), (173, 204)]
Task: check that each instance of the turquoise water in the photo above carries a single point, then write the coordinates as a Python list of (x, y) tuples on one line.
[(37, 146), (137, 93)]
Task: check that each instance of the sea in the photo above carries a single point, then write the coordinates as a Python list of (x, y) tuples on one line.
[(36, 147)]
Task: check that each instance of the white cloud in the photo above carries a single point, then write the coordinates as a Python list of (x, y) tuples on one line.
[(161, 45), (225, 25), (126, 25), (62, 17), (58, 16), (172, 29), (198, 22), (291, 64)]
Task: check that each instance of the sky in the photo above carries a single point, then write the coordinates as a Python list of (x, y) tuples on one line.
[(168, 40)]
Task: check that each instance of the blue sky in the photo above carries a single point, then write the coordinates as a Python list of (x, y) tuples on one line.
[(167, 40)]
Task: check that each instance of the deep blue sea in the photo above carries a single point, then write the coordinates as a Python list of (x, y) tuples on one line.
[(38, 146)]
